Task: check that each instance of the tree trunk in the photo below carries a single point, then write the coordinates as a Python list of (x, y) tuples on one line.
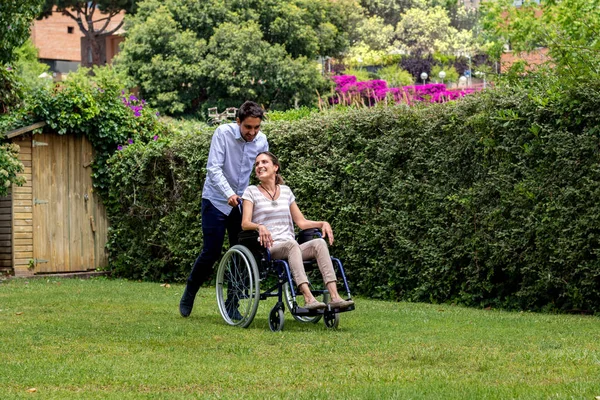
[(95, 48)]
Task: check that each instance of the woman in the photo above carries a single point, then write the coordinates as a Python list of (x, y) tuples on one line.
[(270, 208)]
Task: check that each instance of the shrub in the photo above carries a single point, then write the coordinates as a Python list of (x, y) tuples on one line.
[(395, 76), (95, 105), (488, 201)]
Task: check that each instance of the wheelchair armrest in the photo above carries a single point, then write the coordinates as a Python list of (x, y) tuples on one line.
[(248, 239), (308, 234)]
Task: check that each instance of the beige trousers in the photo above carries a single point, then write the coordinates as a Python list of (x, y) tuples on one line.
[(295, 253)]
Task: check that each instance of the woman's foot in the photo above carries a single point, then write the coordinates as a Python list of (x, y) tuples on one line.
[(340, 303), (314, 305)]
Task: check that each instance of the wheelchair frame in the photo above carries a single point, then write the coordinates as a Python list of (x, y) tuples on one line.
[(245, 265)]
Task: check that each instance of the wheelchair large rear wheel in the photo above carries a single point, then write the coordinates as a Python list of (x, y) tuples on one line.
[(238, 286), (289, 302)]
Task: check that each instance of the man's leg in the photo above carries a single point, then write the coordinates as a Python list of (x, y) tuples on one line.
[(213, 232), (234, 226)]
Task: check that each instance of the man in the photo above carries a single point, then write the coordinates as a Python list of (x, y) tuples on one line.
[(230, 161)]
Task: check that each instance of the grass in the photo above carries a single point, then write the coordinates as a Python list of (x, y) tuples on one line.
[(118, 339)]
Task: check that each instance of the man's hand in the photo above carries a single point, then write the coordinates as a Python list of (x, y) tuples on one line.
[(234, 200)]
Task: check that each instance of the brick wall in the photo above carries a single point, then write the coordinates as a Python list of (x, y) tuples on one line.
[(533, 58), (58, 37)]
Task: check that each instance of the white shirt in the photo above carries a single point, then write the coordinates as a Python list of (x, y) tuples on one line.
[(277, 218), (230, 163)]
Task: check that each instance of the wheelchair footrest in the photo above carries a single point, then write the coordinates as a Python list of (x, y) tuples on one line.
[(303, 311)]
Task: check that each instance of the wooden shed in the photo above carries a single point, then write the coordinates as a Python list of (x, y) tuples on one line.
[(55, 223)]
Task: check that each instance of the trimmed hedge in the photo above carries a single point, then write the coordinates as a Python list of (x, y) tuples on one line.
[(488, 201)]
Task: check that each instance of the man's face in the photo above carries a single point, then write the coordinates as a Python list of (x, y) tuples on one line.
[(249, 128)]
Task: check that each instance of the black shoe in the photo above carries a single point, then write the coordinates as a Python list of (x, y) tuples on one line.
[(232, 310), (187, 302)]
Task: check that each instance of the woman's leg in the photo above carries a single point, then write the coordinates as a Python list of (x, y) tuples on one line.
[(317, 249), (291, 251)]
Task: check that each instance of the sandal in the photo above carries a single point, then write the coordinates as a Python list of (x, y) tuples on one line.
[(315, 305), (340, 304)]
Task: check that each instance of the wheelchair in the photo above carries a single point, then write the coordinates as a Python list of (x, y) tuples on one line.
[(247, 264)]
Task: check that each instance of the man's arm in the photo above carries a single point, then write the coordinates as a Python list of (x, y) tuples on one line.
[(214, 167)]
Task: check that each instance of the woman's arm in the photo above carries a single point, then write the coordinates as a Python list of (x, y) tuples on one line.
[(304, 223), (263, 233)]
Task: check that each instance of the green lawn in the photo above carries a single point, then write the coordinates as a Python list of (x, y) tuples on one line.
[(103, 338)]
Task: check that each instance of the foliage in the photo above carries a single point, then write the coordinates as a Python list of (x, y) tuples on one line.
[(93, 19), (415, 65), (154, 206), (28, 68), (568, 28), (395, 76), (426, 31), (293, 114), (451, 73), (491, 200), (15, 21), (165, 61), (97, 106), (361, 75), (10, 90), (188, 55), (239, 65), (374, 33), (10, 166), (361, 54)]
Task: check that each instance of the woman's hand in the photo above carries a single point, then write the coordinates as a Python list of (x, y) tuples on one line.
[(327, 232), (264, 237)]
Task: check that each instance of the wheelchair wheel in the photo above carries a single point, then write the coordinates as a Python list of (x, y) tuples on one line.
[(290, 304), (331, 319), (238, 289), (276, 319)]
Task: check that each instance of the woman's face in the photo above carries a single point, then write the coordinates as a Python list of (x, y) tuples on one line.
[(264, 167)]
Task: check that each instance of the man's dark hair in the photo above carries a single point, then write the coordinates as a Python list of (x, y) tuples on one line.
[(250, 109)]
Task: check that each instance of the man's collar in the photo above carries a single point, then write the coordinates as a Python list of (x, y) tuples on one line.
[(237, 132)]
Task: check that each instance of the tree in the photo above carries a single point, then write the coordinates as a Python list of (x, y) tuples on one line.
[(240, 65), (15, 22), (569, 29), (374, 33), (93, 18), (28, 68), (165, 61), (310, 27), (389, 10), (427, 31), (187, 54)]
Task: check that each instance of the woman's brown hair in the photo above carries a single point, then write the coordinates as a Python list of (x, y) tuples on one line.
[(275, 161)]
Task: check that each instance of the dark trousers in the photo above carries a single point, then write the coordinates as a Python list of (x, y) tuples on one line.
[(214, 225)]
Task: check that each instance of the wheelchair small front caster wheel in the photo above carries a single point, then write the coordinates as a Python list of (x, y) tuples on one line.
[(331, 320), (276, 319)]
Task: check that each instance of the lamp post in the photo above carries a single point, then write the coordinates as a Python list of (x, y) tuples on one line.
[(470, 70), (482, 76), (442, 75), (424, 77), (462, 80)]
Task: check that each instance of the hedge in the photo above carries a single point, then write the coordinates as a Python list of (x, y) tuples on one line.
[(493, 200)]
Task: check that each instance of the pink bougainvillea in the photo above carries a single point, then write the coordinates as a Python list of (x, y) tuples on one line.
[(349, 91)]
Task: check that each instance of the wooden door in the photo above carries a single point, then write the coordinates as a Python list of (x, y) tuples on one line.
[(66, 211)]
